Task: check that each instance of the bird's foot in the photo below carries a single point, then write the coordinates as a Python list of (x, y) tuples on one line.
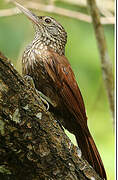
[(44, 98), (30, 81)]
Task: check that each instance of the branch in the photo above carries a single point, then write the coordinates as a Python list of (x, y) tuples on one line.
[(106, 63), (108, 5), (56, 10), (32, 144)]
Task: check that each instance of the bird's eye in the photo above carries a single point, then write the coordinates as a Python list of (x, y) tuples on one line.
[(40, 17), (48, 21)]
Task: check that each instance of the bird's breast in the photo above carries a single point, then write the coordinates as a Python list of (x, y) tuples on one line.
[(33, 65)]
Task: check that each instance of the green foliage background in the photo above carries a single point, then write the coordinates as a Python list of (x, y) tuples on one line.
[(16, 32)]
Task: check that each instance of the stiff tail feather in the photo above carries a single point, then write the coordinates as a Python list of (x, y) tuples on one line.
[(90, 152)]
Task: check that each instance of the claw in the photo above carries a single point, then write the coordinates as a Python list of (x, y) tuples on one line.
[(29, 80), (45, 102)]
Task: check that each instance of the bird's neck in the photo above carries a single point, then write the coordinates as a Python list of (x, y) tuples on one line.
[(42, 42), (40, 46)]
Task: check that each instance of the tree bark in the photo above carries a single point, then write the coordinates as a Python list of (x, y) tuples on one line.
[(33, 146)]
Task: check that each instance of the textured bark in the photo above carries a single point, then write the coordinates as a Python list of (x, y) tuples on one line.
[(32, 143)]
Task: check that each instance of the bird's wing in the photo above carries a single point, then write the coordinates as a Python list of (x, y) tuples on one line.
[(61, 73)]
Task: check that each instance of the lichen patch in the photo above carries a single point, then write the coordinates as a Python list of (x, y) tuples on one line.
[(16, 116), (26, 107), (2, 127), (39, 115)]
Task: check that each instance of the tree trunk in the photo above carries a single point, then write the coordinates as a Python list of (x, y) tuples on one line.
[(33, 146)]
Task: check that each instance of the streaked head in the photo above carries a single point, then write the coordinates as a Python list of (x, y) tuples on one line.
[(47, 27)]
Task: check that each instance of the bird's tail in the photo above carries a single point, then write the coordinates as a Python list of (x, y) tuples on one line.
[(90, 152)]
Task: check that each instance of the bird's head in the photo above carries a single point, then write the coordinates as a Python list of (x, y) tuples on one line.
[(47, 29)]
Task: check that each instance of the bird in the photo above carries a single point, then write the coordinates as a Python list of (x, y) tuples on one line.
[(45, 62)]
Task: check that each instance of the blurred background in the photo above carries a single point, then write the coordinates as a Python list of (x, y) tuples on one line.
[(16, 32)]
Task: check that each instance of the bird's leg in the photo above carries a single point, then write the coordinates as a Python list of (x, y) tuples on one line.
[(44, 98), (30, 81)]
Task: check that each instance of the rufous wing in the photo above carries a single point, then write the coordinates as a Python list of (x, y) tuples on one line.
[(61, 73)]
